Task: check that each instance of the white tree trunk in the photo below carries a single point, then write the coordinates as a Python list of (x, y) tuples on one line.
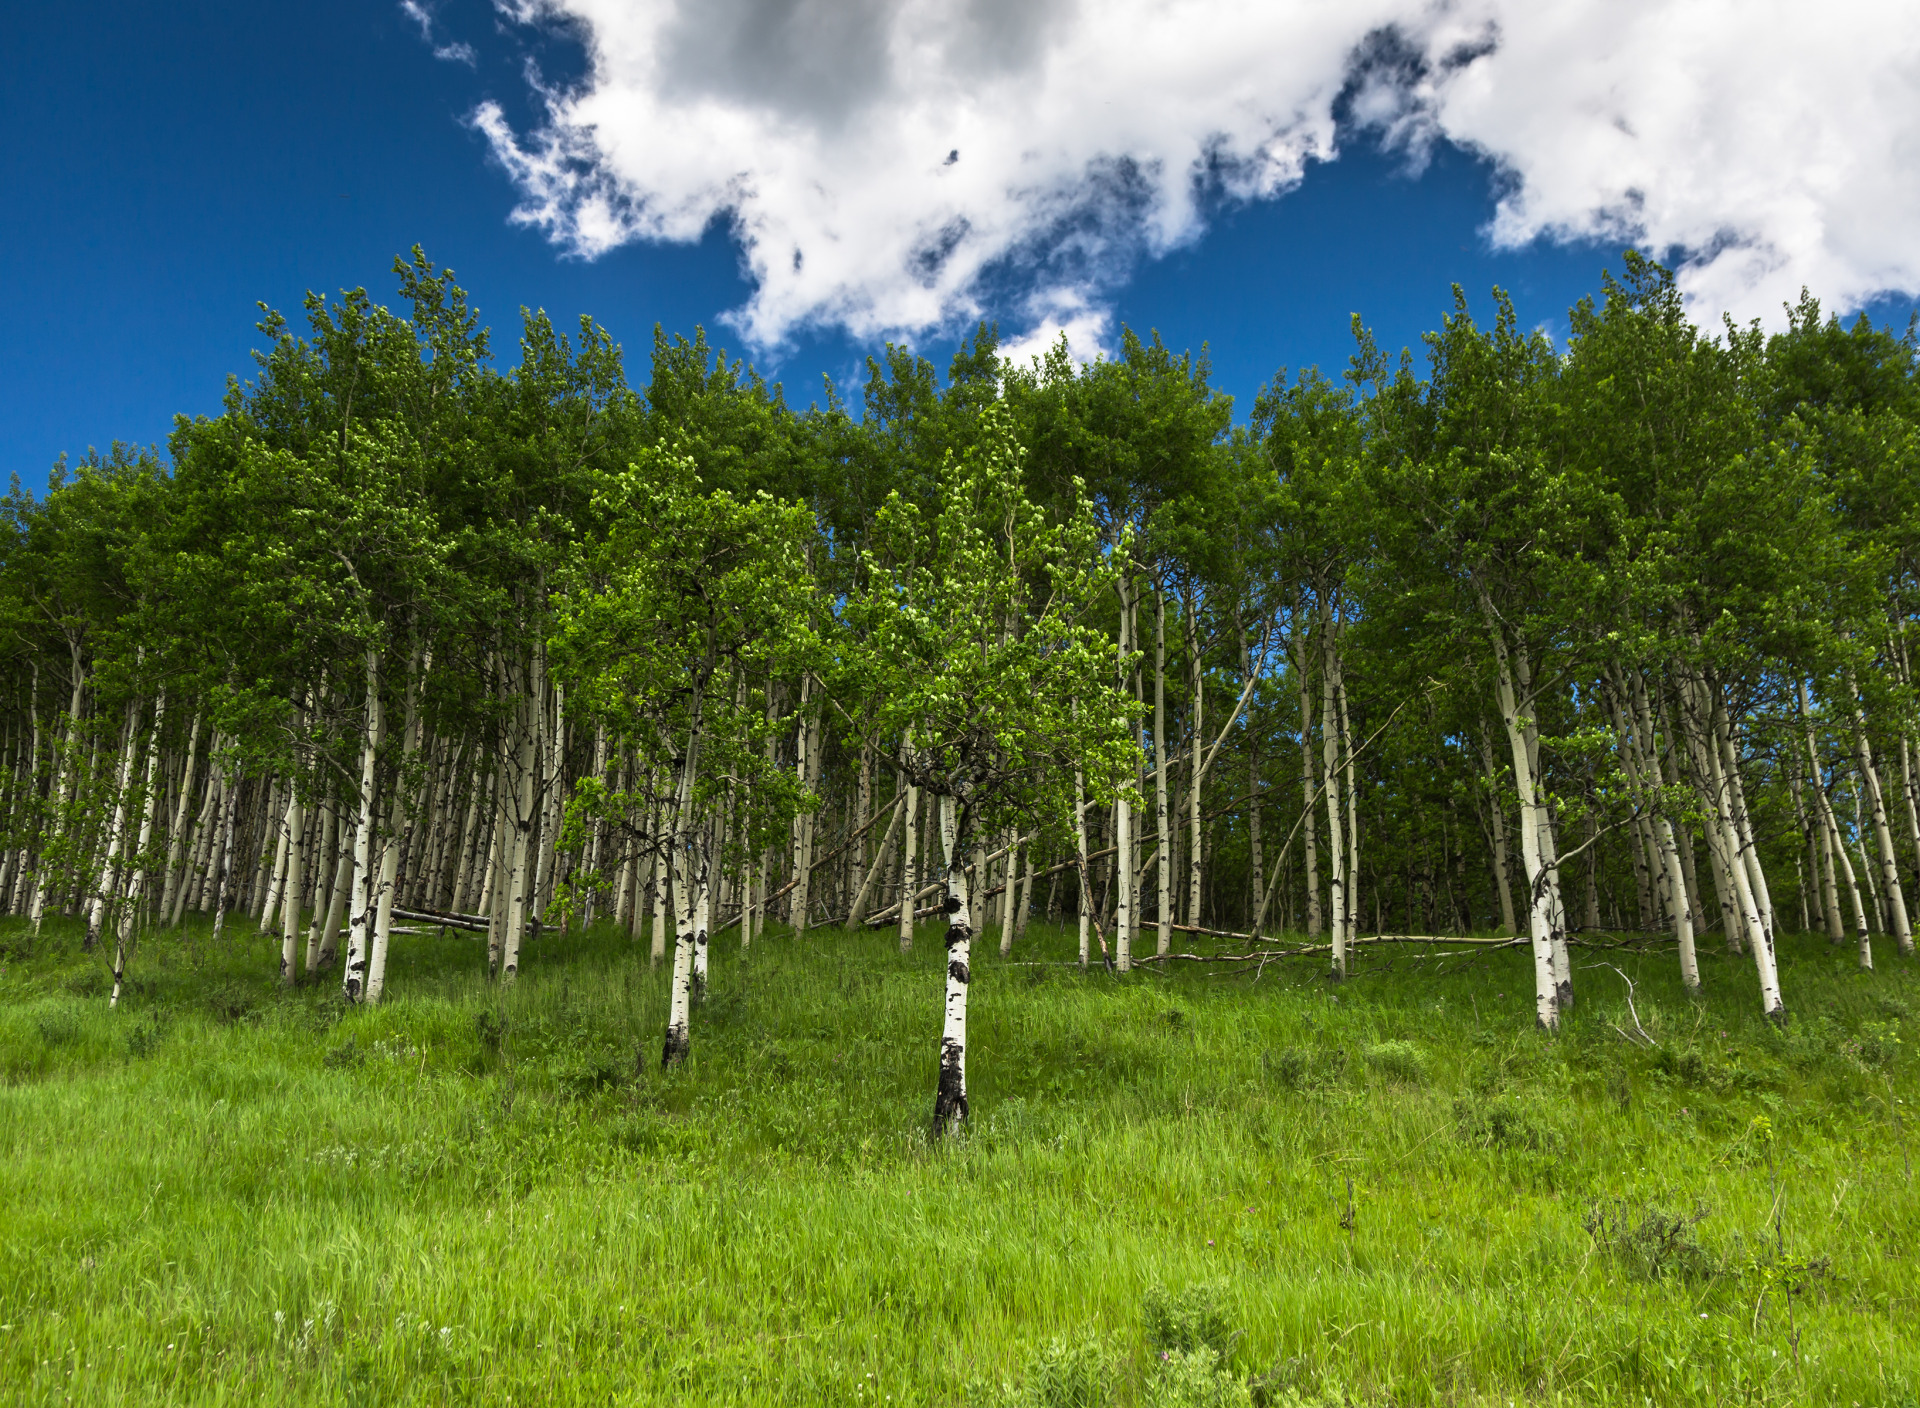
[(1085, 906), (1679, 906), (353, 978), (1309, 788), (1337, 909), (950, 1096), (681, 877), (136, 885), (1501, 871), (909, 859), (1882, 830), (1837, 849), (520, 844), (105, 881), (296, 870), (1540, 909)]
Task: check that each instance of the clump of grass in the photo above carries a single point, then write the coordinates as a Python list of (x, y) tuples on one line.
[(1505, 1122), (1399, 1061)]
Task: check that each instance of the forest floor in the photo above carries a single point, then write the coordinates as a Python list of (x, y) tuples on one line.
[(1390, 1191)]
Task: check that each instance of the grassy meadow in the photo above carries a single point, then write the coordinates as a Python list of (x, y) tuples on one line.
[(1181, 1188)]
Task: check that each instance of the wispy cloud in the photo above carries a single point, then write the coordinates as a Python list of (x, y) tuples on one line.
[(883, 162), (457, 52)]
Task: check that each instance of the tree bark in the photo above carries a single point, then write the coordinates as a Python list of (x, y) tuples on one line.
[(950, 1096), (679, 877), (1882, 830), (353, 978), (129, 915)]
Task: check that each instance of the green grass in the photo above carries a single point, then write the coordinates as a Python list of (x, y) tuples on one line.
[(221, 1193)]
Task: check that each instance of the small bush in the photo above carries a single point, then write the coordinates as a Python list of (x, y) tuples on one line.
[(1650, 1243), (230, 1002), (145, 1036), (1188, 1320), (1303, 1068), (90, 981), (1894, 1008), (1196, 1379), (1874, 1046), (58, 1025), (1064, 1373), (1504, 1122), (345, 1056), (1399, 1061)]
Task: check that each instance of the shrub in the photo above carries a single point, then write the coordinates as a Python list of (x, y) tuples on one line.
[(1196, 1379), (1504, 1122), (1303, 1068), (1399, 1061), (1064, 1373), (1650, 1243), (1188, 1320)]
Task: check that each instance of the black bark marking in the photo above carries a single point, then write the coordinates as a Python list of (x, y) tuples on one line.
[(675, 1050), (950, 1099), (958, 934), (957, 971), (953, 904)]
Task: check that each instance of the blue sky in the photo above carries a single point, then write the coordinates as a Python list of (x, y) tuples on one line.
[(166, 170)]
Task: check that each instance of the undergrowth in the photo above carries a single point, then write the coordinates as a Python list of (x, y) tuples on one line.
[(1177, 1189)]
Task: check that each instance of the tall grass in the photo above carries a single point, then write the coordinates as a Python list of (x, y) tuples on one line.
[(1388, 1191)]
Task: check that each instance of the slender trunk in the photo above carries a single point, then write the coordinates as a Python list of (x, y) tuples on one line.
[(858, 910), (1006, 918), (399, 832), (1084, 905), (62, 786), (802, 835), (383, 905), (360, 914), (950, 1097), (129, 915), (1675, 865), (1351, 864), (679, 875), (105, 880), (330, 870), (520, 841), (1882, 830), (1701, 720), (1163, 832), (1502, 884), (662, 901), (1330, 764), (284, 880), (909, 859), (296, 868), (177, 837), (1539, 901), (1197, 721), (1309, 789), (702, 904)]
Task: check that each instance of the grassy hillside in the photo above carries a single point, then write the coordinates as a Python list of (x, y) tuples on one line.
[(1393, 1191)]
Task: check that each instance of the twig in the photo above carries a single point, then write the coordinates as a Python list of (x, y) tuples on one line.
[(1638, 1035)]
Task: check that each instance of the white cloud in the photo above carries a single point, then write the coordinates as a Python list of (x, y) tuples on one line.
[(889, 165), (458, 53), (1772, 145)]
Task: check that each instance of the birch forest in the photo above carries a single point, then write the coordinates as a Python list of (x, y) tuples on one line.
[(508, 857), (1506, 639)]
